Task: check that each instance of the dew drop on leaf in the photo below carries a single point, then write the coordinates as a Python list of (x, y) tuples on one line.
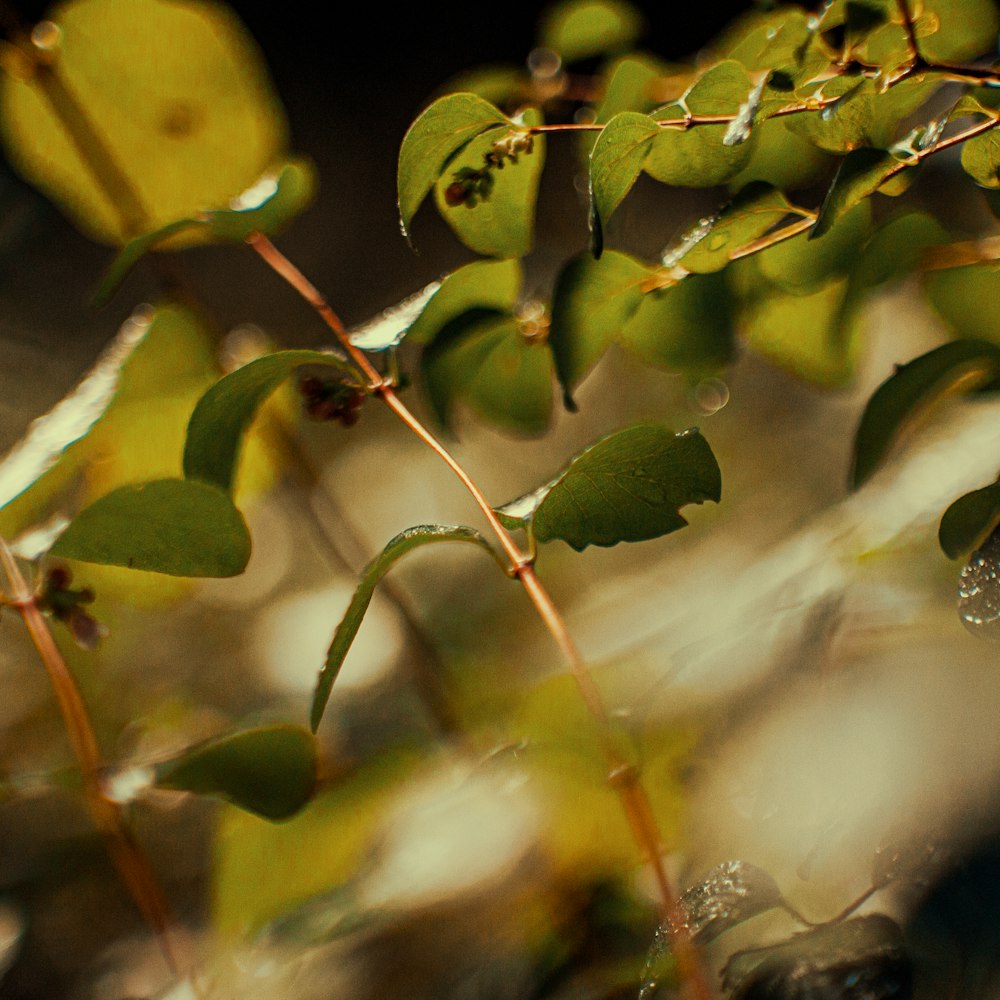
[(979, 590)]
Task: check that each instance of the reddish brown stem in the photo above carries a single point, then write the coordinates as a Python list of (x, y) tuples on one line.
[(106, 815), (621, 775)]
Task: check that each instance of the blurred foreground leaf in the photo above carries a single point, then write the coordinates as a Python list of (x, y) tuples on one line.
[(170, 101), (269, 771)]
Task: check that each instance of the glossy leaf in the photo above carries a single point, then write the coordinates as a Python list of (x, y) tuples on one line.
[(483, 284), (404, 543), (732, 893), (628, 487), (170, 526), (766, 39), (755, 210), (581, 29), (270, 771), (175, 92), (500, 224), (685, 327), (959, 365), (615, 164), (592, 302), (969, 521), (224, 414), (697, 157), (860, 174), (486, 360), (443, 129), (858, 959)]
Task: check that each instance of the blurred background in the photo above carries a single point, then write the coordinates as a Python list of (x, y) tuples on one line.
[(790, 670)]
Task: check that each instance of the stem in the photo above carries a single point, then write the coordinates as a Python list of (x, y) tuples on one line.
[(622, 776), (106, 815)]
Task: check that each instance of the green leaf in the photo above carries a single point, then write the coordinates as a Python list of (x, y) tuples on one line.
[(860, 174), (969, 521), (755, 210), (966, 297), (814, 336), (800, 264), (268, 206), (592, 302), (615, 164), (895, 248), (763, 40), (171, 526), (864, 115), (500, 224), (962, 365), (485, 359), (225, 412), (581, 29), (697, 157), (501, 84), (175, 92), (483, 284), (432, 141), (404, 543), (981, 158), (134, 251), (685, 327), (628, 487), (270, 771), (631, 86), (781, 158)]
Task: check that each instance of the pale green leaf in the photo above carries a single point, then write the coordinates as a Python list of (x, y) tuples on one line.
[(153, 111), (433, 140), (501, 223), (859, 175), (172, 526), (581, 29)]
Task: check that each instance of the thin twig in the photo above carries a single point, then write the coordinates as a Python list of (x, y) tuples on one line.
[(622, 776), (106, 815)]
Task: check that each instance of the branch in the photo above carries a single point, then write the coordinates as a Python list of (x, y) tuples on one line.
[(106, 815), (622, 776)]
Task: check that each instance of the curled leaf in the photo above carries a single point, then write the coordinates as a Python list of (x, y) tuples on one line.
[(960, 365), (224, 414), (969, 521), (403, 543)]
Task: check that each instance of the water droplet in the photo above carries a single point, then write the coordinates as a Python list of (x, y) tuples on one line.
[(46, 35), (828, 112), (710, 395), (979, 590), (543, 64), (585, 116), (127, 785), (264, 188)]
